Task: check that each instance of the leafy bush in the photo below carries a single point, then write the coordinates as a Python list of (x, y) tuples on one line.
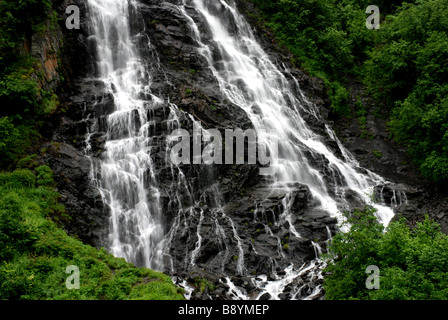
[(9, 136), (14, 236), (18, 92), (27, 162), (44, 176), (412, 263), (408, 70), (18, 179), (34, 252)]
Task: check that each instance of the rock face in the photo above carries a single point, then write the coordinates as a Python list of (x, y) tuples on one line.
[(82, 201), (61, 59), (44, 47), (264, 241)]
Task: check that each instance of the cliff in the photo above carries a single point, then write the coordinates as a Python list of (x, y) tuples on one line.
[(181, 76)]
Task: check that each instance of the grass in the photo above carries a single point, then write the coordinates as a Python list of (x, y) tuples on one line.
[(35, 253)]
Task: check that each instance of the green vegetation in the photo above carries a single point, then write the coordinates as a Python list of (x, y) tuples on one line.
[(408, 69), (203, 284), (22, 109), (412, 263), (17, 20), (404, 64), (20, 92), (24, 101), (377, 153), (35, 253)]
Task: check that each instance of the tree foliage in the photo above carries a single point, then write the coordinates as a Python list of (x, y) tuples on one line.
[(408, 70), (23, 100), (412, 262), (18, 19)]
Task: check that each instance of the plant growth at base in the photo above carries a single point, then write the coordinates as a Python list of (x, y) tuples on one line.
[(35, 253), (412, 262)]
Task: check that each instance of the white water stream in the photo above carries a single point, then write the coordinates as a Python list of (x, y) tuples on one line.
[(248, 78), (126, 169)]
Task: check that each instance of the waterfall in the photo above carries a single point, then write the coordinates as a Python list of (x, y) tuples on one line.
[(141, 190), (251, 80), (247, 77), (125, 171)]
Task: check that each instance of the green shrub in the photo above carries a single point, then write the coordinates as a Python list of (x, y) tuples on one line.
[(377, 153), (23, 178), (339, 99), (14, 236), (34, 252), (203, 283), (18, 93), (44, 176), (407, 71), (28, 162), (412, 263), (9, 140), (155, 290)]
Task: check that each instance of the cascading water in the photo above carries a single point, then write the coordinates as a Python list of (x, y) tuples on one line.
[(126, 173), (126, 168), (251, 80)]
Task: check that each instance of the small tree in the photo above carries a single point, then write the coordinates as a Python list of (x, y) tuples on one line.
[(413, 264)]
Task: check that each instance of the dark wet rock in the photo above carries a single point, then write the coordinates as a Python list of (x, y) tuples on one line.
[(251, 207), (82, 201), (265, 296), (354, 200)]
